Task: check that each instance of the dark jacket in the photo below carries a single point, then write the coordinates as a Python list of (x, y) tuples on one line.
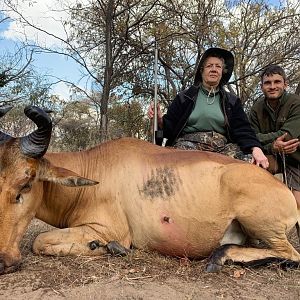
[(237, 125), (269, 125)]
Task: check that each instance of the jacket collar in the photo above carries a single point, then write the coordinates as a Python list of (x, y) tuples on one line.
[(192, 92), (281, 101)]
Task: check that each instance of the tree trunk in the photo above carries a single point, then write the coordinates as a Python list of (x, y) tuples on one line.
[(107, 72)]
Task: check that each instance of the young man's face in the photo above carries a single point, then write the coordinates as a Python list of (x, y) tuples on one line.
[(273, 86)]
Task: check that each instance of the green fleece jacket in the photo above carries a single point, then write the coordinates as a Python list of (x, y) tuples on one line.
[(269, 124)]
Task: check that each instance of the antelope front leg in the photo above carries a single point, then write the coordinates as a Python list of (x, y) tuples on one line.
[(80, 240)]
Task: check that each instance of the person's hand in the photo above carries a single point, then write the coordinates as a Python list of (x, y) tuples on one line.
[(259, 158), (150, 114), (287, 147)]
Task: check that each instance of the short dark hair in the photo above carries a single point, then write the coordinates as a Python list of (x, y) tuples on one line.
[(271, 70)]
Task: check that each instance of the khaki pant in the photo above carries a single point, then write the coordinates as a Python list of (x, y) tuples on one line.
[(291, 174)]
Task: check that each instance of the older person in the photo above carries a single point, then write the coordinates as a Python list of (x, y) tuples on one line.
[(206, 117)]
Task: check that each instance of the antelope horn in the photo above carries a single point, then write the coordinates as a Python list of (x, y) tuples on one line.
[(3, 136), (36, 143)]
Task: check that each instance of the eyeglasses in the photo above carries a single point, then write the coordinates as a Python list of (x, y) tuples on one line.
[(212, 66)]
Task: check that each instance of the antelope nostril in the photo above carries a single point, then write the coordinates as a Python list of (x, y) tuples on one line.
[(1, 267), (12, 268), (9, 265)]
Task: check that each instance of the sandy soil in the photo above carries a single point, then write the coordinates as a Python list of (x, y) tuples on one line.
[(141, 275)]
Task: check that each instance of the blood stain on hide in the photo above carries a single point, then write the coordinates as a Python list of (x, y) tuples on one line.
[(167, 220), (162, 183)]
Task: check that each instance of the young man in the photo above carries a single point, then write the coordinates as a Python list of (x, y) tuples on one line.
[(276, 121)]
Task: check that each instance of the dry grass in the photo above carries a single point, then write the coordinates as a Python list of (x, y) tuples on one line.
[(139, 268)]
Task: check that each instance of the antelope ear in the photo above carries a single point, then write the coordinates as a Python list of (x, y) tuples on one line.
[(51, 173)]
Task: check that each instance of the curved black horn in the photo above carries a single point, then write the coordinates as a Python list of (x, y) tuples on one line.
[(36, 143), (3, 136)]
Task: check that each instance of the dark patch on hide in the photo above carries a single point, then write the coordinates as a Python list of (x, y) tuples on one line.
[(162, 183)]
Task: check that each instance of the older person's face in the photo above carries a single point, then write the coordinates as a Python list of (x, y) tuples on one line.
[(212, 72)]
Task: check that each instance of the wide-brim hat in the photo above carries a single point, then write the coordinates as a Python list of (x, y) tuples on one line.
[(218, 52)]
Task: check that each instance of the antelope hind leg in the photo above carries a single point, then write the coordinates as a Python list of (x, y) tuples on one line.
[(253, 257)]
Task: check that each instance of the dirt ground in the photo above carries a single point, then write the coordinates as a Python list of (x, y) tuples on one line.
[(139, 276)]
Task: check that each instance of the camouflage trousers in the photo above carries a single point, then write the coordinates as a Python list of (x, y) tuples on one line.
[(213, 142)]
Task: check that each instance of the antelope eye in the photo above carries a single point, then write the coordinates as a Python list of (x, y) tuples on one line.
[(19, 199)]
